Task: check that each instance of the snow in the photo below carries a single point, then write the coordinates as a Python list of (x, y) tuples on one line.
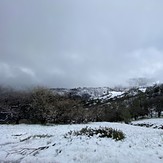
[(115, 93), (94, 93), (110, 95), (154, 122), (143, 89), (141, 144)]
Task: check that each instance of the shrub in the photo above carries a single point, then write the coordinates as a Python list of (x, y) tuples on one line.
[(42, 99), (101, 132)]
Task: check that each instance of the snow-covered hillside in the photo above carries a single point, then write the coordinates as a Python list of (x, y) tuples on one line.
[(97, 92), (91, 91), (36, 143)]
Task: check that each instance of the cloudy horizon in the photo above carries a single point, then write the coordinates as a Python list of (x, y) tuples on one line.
[(80, 43)]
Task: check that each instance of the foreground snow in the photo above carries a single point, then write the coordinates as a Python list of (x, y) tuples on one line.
[(36, 143)]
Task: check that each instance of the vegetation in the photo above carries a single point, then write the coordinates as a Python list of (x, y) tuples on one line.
[(102, 132), (41, 105)]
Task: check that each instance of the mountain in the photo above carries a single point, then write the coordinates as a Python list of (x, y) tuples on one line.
[(81, 105), (120, 103), (97, 93)]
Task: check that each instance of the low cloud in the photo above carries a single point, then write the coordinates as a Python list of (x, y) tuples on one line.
[(80, 43)]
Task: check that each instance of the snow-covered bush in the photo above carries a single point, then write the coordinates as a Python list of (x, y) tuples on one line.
[(102, 132)]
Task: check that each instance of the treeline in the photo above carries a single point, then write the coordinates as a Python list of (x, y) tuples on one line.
[(41, 105)]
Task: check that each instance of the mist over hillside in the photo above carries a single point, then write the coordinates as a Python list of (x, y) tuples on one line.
[(80, 105)]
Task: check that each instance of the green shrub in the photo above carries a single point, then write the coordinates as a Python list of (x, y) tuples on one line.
[(101, 132)]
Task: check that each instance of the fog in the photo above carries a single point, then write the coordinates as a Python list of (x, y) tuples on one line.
[(80, 43)]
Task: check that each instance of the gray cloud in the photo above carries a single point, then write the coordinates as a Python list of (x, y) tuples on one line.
[(80, 43)]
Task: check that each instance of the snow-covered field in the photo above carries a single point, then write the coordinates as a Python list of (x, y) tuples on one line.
[(154, 123), (47, 144)]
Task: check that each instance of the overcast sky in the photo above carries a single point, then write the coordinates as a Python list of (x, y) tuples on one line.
[(72, 43)]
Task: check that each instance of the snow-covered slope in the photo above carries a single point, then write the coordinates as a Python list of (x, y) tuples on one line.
[(91, 91), (102, 93), (24, 143)]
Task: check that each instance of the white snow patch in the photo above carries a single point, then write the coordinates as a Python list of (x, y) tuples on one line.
[(140, 145), (115, 93), (143, 89)]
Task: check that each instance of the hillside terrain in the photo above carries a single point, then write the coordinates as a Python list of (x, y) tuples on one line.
[(100, 125), (80, 105)]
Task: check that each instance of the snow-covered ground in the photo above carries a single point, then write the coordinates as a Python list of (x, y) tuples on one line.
[(47, 144), (154, 123)]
